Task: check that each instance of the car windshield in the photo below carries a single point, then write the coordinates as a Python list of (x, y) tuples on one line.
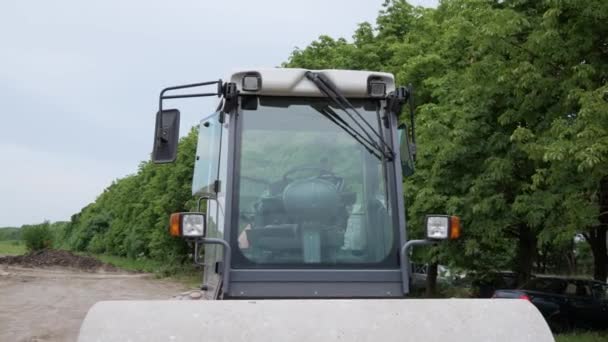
[(309, 194), (550, 285)]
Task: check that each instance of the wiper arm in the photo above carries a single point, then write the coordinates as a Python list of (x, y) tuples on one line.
[(336, 119), (330, 90)]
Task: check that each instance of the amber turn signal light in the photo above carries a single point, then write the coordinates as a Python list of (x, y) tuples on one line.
[(175, 225), (455, 229)]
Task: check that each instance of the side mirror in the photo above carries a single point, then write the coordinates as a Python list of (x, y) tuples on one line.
[(166, 136), (405, 151)]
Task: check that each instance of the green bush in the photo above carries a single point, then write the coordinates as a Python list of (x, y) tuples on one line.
[(37, 236), (10, 233), (97, 245)]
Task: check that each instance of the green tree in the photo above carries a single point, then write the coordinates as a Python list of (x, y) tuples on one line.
[(37, 236), (131, 216), (511, 120)]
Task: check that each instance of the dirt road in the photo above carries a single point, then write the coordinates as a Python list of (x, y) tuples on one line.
[(49, 304)]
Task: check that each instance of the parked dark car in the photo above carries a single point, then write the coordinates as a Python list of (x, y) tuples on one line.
[(486, 286), (565, 303)]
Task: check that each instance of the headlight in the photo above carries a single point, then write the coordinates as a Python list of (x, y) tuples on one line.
[(252, 82), (376, 89), (193, 225), (437, 227), (188, 224), (441, 227)]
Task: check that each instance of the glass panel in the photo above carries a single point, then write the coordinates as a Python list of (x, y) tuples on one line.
[(207, 156), (570, 289), (600, 291), (583, 289), (550, 285), (309, 194), (407, 160), (216, 212)]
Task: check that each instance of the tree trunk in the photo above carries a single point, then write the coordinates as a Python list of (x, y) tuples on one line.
[(597, 241), (597, 235), (571, 259), (541, 260), (566, 263), (526, 251), (431, 280)]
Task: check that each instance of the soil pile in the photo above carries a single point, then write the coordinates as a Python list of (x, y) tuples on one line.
[(52, 257)]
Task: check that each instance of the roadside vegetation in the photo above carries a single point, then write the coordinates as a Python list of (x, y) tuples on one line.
[(512, 129), (186, 272), (582, 337), (512, 126), (12, 247), (10, 233), (37, 237)]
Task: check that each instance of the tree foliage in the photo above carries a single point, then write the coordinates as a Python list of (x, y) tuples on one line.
[(512, 121), (130, 217), (37, 236), (512, 130), (10, 233)]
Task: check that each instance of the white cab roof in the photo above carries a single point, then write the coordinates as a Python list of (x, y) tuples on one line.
[(293, 82)]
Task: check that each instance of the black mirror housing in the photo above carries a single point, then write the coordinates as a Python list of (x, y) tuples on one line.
[(166, 136)]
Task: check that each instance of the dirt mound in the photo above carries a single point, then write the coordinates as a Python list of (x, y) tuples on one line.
[(52, 257)]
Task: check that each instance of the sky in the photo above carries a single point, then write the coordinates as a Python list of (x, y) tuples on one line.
[(79, 82)]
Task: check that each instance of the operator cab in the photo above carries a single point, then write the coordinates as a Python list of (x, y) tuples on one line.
[(307, 193), (302, 176)]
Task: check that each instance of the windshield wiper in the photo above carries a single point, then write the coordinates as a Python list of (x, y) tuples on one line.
[(329, 89), (336, 119)]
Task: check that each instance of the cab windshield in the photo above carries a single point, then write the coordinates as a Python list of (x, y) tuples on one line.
[(308, 193)]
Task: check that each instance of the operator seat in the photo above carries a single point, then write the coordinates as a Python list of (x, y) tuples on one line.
[(270, 211)]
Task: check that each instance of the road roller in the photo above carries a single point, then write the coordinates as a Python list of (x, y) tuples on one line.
[(300, 225)]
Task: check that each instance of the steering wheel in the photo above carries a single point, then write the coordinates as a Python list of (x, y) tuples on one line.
[(323, 174), (305, 168)]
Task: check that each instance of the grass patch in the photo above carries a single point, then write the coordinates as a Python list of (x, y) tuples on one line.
[(137, 265), (582, 337), (185, 274), (12, 247)]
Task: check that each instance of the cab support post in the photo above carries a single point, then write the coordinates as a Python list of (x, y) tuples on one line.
[(226, 262), (405, 261)]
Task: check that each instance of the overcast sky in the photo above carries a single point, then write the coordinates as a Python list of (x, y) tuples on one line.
[(79, 82)]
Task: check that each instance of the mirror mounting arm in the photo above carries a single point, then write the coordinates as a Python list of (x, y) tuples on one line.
[(218, 93), (166, 134), (395, 100), (228, 90), (231, 95)]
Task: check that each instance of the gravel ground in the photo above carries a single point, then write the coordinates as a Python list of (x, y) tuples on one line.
[(49, 304)]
